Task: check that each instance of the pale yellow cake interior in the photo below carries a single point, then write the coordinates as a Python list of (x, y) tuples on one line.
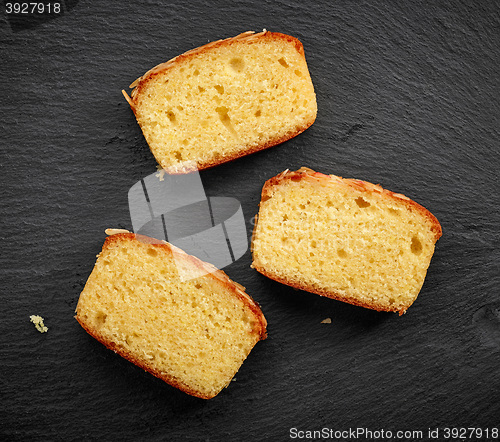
[(332, 238), (197, 332), (226, 100)]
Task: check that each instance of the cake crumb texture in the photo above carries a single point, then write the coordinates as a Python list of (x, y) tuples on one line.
[(192, 334), (224, 100), (38, 321), (345, 239)]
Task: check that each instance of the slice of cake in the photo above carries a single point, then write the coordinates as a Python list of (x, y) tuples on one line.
[(224, 100), (345, 239), (194, 334)]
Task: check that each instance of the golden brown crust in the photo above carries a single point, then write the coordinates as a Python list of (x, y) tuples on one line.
[(238, 290), (248, 37), (364, 186), (359, 185)]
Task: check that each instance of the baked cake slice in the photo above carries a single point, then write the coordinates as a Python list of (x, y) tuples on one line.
[(192, 333), (223, 100), (345, 239)]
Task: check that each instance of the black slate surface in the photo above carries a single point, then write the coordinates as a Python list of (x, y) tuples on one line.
[(408, 96)]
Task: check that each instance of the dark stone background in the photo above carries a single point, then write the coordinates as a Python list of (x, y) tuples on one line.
[(408, 96)]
